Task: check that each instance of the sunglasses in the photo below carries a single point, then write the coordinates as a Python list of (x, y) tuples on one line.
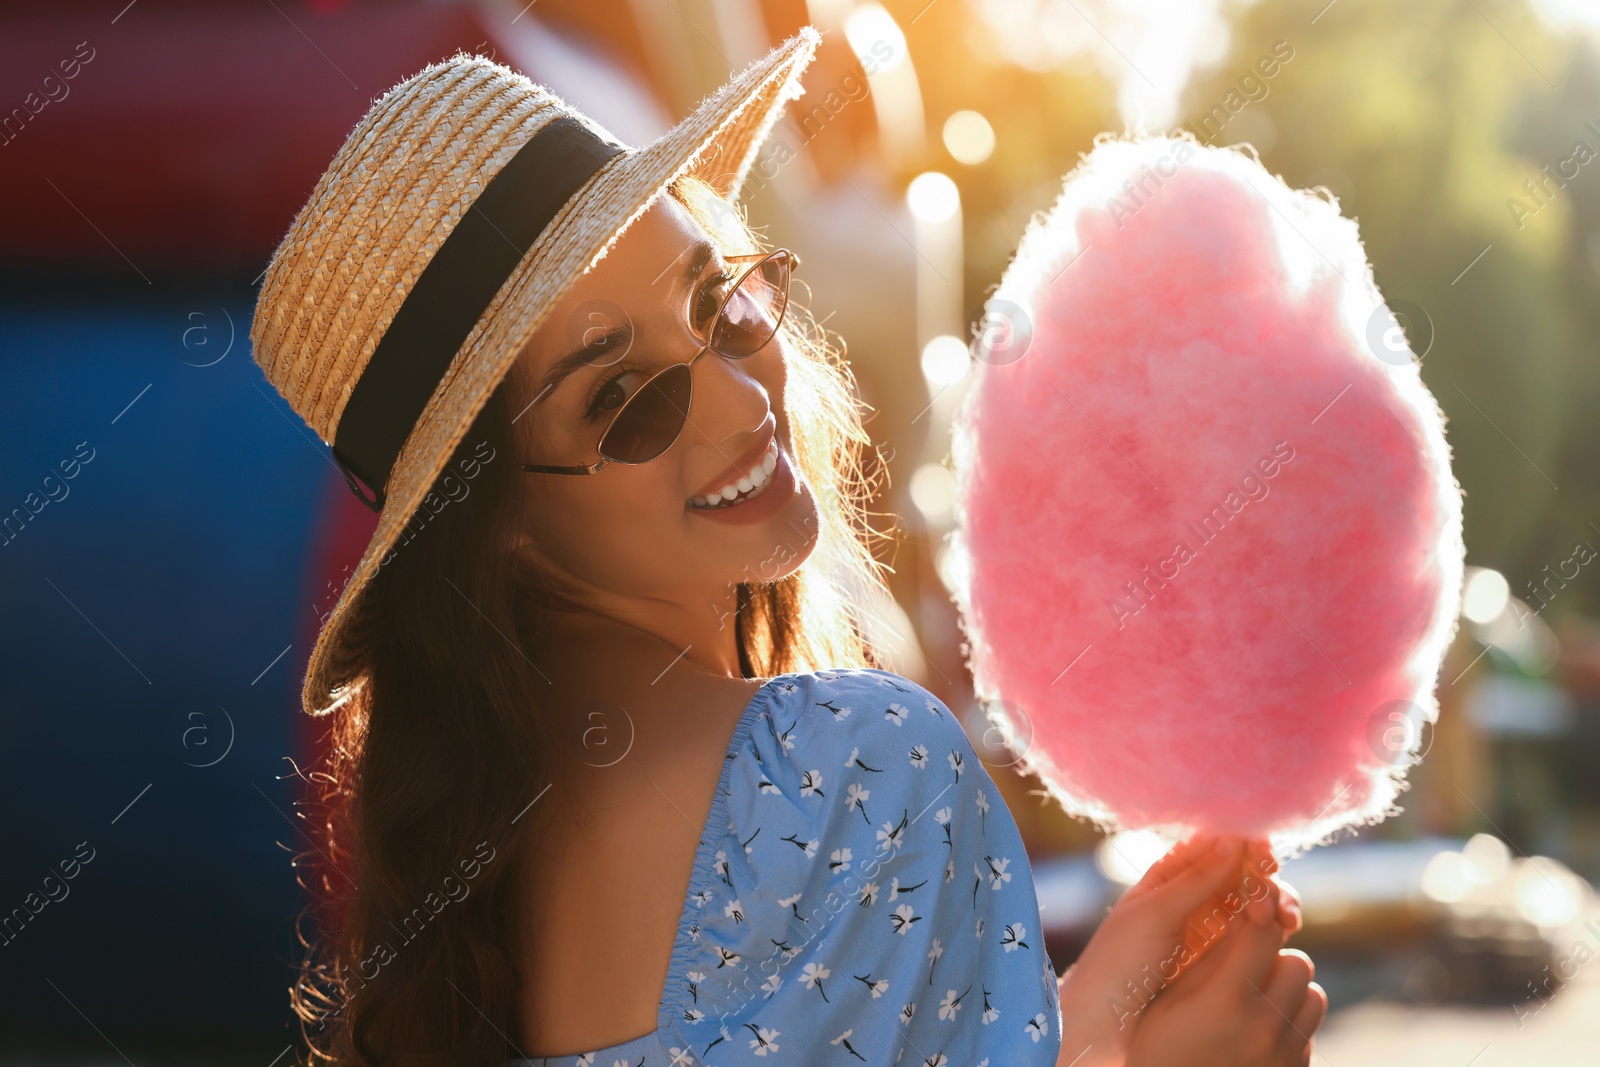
[(650, 420)]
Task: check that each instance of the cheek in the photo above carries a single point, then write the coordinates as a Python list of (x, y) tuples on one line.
[(625, 521)]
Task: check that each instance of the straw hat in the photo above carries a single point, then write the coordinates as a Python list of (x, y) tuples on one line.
[(455, 215)]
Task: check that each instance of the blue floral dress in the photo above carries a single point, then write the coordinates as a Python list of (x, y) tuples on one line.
[(860, 895)]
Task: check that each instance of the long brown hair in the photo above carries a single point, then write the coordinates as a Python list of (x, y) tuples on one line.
[(437, 751)]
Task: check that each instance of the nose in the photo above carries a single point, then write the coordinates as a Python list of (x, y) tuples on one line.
[(730, 403)]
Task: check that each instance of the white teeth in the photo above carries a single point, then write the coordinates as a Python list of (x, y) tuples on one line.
[(758, 476)]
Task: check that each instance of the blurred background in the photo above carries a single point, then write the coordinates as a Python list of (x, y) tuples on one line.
[(162, 600)]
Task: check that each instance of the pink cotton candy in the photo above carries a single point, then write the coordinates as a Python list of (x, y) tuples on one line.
[(1209, 547)]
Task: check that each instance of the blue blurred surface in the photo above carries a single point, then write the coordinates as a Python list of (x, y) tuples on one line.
[(142, 612)]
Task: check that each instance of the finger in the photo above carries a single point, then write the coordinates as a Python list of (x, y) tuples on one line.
[(1178, 858), (1253, 863), (1225, 904), (1259, 852), (1286, 983), (1258, 941), (1290, 913), (1258, 881), (1208, 941), (1313, 1009), (1192, 887), (1297, 1039)]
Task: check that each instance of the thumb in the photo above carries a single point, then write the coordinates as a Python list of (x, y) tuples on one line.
[(1251, 947), (1176, 896), (1227, 947)]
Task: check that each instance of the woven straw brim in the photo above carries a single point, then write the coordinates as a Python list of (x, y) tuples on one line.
[(718, 142)]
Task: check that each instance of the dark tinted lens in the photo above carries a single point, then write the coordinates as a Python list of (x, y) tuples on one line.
[(651, 418), (753, 310)]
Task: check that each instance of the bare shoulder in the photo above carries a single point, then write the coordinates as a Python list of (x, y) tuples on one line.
[(606, 863)]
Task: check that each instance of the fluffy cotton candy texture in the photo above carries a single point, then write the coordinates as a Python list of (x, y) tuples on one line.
[(1208, 542)]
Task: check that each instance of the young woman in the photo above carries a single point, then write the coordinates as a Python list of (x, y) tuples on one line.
[(615, 777)]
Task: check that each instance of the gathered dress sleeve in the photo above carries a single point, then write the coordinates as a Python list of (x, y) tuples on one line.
[(870, 901)]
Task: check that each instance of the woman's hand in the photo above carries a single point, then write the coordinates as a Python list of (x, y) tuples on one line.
[(1158, 930), (1247, 1003)]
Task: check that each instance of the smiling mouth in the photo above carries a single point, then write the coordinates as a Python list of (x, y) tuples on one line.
[(745, 488)]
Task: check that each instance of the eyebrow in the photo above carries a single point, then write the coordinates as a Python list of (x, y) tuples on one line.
[(700, 254)]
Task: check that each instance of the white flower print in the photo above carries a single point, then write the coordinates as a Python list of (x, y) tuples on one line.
[(934, 954), (693, 1015), (938, 1059), (722, 1035), (790, 902), (893, 836), (772, 984), (1013, 937), (902, 919), (695, 978), (949, 868), (869, 894), (855, 761), (956, 763), (734, 911), (979, 932), (812, 976), (840, 861), (895, 889), (726, 957), (1037, 1027), (720, 865), (807, 847), (844, 1039), (907, 1012), (997, 871), (811, 782), (983, 803), (786, 739), (951, 1004), (681, 1057), (933, 706), (767, 787), (586, 1058), (877, 986), (943, 817), (856, 797), (896, 714), (765, 1040), (990, 1012), (700, 898), (919, 757), (839, 714)]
